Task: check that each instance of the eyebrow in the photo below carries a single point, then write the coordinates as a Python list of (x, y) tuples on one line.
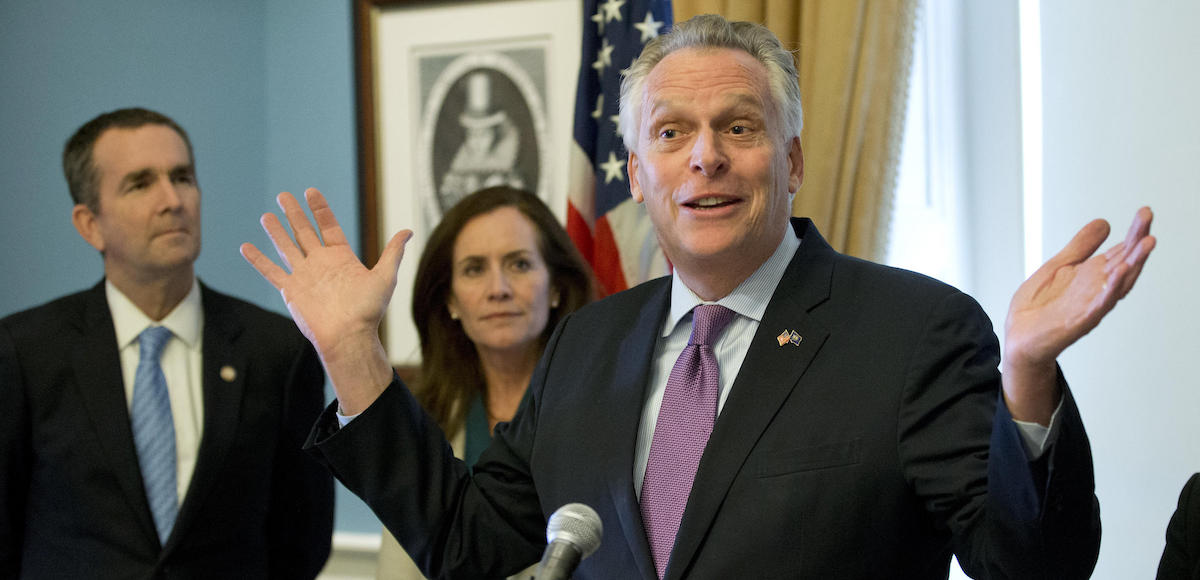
[(747, 100), (734, 103), (478, 257), (516, 254), (140, 174), (136, 176)]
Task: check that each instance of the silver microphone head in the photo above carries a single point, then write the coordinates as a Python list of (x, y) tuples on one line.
[(578, 524)]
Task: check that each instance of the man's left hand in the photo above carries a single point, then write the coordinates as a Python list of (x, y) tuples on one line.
[(1062, 301)]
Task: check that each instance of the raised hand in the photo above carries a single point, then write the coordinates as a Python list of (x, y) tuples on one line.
[(335, 300), (1062, 301)]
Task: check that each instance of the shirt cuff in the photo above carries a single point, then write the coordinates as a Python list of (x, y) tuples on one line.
[(1036, 437), (344, 420)]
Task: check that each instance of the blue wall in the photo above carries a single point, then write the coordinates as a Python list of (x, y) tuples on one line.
[(264, 88)]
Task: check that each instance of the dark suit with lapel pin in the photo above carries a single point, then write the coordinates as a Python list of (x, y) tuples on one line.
[(71, 495), (872, 448)]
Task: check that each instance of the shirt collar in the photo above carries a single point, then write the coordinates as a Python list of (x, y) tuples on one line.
[(185, 321), (749, 299)]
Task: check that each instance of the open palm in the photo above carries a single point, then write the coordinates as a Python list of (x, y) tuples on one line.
[(1068, 296), (1062, 301), (336, 301)]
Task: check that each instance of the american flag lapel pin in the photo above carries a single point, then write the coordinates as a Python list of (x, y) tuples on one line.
[(784, 337)]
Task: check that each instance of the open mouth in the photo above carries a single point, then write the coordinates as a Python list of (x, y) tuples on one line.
[(710, 203)]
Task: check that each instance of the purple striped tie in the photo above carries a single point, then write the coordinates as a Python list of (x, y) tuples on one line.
[(685, 420)]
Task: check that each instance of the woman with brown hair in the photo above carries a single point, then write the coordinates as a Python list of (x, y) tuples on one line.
[(496, 276)]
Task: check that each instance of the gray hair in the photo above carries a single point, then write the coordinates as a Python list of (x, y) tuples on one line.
[(713, 31)]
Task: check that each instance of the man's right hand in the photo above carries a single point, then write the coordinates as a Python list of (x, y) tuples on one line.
[(335, 300)]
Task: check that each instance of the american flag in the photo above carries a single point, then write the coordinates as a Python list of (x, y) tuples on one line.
[(611, 230)]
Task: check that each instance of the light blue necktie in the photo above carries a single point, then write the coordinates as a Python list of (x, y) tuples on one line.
[(154, 430)]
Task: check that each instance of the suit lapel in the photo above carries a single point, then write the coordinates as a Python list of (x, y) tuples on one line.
[(768, 375), (96, 361), (628, 394), (223, 377)]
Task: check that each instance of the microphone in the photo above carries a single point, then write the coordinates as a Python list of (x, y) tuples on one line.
[(572, 534)]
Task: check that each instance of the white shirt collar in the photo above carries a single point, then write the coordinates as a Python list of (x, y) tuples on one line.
[(750, 298), (185, 321)]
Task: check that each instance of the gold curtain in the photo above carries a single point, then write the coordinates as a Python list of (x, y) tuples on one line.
[(854, 58)]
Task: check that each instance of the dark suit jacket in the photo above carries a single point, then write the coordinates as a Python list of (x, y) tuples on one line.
[(1181, 556), (72, 503), (872, 449)]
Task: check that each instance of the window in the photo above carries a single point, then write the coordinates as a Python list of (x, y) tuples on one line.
[(926, 232)]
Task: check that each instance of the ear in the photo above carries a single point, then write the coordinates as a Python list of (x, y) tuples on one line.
[(635, 185), (85, 223), (795, 166)]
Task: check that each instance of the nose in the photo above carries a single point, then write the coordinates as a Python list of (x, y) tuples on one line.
[(499, 287), (169, 195), (708, 154)]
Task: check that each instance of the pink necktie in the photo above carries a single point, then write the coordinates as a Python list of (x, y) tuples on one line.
[(685, 420)]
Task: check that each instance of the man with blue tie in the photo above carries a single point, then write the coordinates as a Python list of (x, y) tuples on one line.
[(152, 426), (773, 409)]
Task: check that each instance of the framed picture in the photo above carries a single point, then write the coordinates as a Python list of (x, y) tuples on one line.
[(454, 97)]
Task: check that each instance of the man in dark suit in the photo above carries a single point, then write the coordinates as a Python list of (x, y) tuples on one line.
[(858, 426), (211, 483), (1181, 554)]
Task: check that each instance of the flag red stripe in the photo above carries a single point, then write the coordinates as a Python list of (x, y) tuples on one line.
[(606, 260), (580, 233)]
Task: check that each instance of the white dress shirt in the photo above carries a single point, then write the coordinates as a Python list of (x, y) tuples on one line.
[(182, 362)]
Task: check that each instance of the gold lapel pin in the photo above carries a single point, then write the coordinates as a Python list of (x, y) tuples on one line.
[(228, 373)]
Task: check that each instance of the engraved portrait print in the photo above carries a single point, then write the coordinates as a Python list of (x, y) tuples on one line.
[(483, 123)]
